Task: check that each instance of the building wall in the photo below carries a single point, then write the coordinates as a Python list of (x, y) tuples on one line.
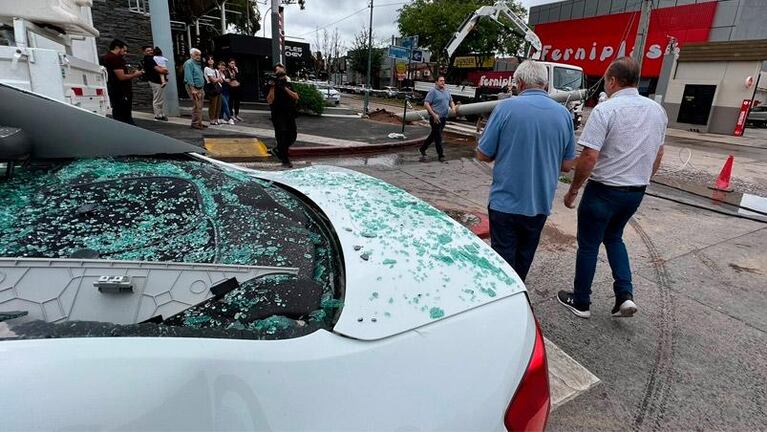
[(114, 20), (729, 77), (734, 20)]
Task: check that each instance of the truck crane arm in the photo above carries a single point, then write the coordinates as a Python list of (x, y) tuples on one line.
[(495, 12)]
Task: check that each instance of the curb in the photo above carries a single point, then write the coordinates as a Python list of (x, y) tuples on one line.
[(335, 150)]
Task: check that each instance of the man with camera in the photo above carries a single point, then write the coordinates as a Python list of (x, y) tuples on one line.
[(119, 81), (282, 102)]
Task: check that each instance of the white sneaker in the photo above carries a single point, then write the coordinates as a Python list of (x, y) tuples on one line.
[(231, 121)]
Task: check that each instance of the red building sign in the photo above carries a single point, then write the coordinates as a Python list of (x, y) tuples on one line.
[(592, 43)]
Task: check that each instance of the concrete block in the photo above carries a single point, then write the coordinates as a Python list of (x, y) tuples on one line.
[(567, 378)]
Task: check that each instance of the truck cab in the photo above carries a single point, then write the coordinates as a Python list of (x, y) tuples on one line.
[(48, 47)]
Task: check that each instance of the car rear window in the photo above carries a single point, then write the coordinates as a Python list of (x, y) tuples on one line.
[(171, 210)]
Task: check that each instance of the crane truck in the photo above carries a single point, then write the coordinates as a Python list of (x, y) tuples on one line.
[(48, 47), (565, 81)]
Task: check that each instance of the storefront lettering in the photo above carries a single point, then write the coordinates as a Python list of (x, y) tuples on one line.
[(606, 53), (294, 51)]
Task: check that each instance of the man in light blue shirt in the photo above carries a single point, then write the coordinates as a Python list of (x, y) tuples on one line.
[(530, 138), (438, 103)]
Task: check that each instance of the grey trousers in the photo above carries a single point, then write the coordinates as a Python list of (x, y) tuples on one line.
[(158, 99)]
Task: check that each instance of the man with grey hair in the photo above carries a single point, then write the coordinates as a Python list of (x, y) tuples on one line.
[(530, 138), (195, 81)]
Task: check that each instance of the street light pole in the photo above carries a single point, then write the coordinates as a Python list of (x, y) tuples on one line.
[(370, 61)]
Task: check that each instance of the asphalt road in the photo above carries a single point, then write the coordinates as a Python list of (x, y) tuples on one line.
[(694, 357)]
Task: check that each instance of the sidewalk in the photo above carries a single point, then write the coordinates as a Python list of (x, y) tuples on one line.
[(340, 132), (742, 141)]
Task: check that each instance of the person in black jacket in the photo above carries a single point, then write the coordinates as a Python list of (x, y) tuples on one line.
[(282, 102)]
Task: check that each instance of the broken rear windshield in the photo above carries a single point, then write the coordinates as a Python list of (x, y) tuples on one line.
[(172, 210)]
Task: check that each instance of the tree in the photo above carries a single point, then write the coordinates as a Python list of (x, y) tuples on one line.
[(358, 54), (435, 22), (328, 45), (248, 21)]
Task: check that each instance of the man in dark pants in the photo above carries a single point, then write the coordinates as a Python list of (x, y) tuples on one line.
[(282, 102), (438, 103), (622, 148), (530, 137), (119, 80)]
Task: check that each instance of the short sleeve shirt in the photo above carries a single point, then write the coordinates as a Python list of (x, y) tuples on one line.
[(528, 136), (627, 130), (440, 101)]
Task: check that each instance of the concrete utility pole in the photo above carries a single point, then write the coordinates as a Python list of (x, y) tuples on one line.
[(223, 17), (160, 20), (370, 61), (276, 51), (644, 24)]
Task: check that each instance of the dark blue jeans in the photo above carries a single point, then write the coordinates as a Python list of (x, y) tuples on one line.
[(602, 214), (435, 136), (515, 238)]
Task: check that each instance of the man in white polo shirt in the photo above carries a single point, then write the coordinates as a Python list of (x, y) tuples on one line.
[(622, 148)]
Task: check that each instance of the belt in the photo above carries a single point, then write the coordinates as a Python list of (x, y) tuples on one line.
[(620, 188)]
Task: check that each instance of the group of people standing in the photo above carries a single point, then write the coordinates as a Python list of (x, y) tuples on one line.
[(530, 139), (219, 83)]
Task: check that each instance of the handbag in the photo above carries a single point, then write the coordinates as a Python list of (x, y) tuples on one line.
[(212, 89)]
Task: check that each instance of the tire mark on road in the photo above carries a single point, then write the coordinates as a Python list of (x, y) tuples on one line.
[(652, 409)]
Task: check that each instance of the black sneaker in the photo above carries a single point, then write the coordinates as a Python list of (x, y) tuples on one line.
[(442, 159), (568, 300), (287, 165), (624, 306), (423, 153)]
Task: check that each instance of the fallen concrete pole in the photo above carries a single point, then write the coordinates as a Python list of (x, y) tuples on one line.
[(486, 107)]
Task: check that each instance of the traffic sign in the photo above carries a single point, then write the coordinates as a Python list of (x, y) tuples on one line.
[(410, 42), (399, 53), (417, 56)]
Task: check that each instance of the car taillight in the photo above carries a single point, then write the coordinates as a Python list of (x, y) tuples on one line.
[(529, 408), (99, 92), (77, 91)]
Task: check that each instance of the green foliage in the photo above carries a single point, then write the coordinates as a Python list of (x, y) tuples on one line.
[(248, 20), (435, 22), (358, 54), (310, 99)]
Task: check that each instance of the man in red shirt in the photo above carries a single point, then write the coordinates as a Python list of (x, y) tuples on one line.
[(119, 81)]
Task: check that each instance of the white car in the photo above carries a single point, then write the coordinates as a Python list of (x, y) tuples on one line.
[(329, 94), (391, 92), (144, 286)]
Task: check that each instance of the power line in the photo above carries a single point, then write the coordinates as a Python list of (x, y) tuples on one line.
[(349, 16)]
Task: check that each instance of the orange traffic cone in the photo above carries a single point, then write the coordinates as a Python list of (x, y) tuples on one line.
[(723, 181)]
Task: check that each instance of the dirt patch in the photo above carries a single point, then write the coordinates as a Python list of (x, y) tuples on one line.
[(554, 239), (384, 116), (740, 269)]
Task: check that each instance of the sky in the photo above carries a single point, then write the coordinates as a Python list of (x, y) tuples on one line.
[(349, 16)]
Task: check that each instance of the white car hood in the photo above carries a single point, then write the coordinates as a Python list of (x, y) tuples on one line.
[(407, 263)]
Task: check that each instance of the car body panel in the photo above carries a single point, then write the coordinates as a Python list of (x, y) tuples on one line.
[(407, 263), (455, 374)]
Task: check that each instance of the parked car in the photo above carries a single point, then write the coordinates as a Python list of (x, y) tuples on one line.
[(146, 286), (329, 94), (758, 116), (391, 92), (406, 92)]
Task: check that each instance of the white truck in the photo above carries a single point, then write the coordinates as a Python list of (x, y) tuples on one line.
[(563, 78), (49, 47)]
